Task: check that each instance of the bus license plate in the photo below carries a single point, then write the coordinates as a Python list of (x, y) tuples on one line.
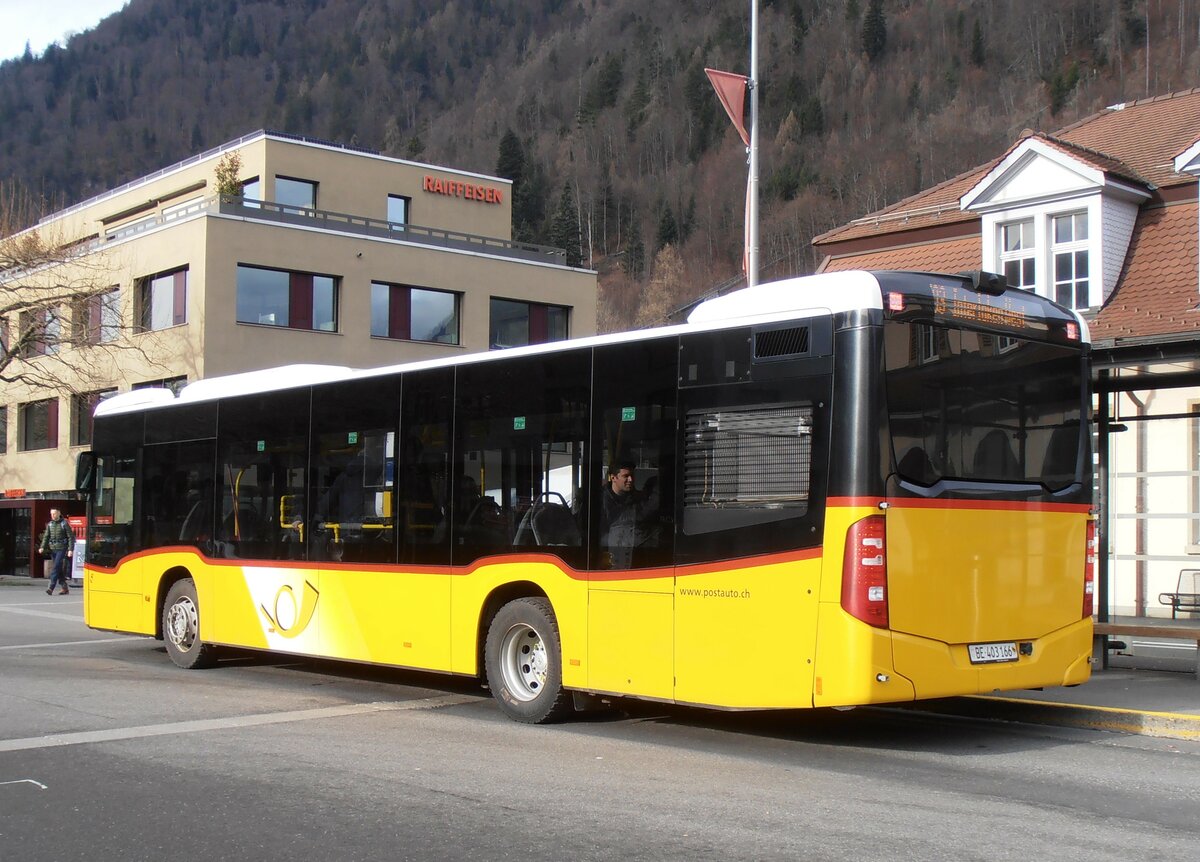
[(989, 653)]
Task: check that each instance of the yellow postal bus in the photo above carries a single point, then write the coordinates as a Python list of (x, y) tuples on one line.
[(844, 489)]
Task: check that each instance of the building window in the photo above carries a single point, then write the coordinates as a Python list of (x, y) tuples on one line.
[(37, 424), (1070, 254), (293, 193), (1018, 254), (3, 430), (414, 313), (252, 193), (517, 323), (162, 300), (82, 407), (98, 317), (39, 332), (175, 384), (276, 297), (397, 213)]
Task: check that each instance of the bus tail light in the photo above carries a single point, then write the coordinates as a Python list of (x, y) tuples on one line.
[(864, 572), (1089, 571)]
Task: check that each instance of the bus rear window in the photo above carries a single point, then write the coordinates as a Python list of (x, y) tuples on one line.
[(973, 406)]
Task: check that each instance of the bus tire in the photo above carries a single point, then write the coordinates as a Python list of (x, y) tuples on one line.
[(181, 628), (523, 659)]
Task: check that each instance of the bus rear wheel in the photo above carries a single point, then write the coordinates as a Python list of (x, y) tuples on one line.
[(181, 628), (523, 659)]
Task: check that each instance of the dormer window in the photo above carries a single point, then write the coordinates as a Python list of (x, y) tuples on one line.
[(1070, 252), (1018, 253), (1057, 219)]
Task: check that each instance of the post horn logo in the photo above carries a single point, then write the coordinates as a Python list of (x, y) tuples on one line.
[(291, 618)]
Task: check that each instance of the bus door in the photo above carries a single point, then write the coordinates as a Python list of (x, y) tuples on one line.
[(754, 410), (266, 595), (631, 603), (114, 577)]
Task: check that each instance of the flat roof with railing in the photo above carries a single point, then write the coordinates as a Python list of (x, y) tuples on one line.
[(357, 225), (234, 144)]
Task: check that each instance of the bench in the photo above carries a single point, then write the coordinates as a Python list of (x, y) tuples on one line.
[(1187, 593), (1149, 630)]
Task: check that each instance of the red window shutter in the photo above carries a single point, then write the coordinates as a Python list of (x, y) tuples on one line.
[(539, 331), (399, 312), (52, 423), (180, 298), (300, 301), (95, 305)]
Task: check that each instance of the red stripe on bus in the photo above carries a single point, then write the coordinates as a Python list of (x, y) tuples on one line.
[(482, 562), (986, 505)]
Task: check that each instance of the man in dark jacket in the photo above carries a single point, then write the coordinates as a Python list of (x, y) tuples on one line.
[(58, 540)]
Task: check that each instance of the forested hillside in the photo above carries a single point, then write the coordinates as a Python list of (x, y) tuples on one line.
[(617, 143)]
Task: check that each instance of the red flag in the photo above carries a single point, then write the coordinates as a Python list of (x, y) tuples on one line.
[(731, 90)]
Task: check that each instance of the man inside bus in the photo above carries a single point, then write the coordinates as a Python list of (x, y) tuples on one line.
[(621, 515)]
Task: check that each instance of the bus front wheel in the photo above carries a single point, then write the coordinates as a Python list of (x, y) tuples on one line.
[(181, 628), (523, 659)]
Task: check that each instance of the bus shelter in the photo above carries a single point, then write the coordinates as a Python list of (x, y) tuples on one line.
[(1148, 493)]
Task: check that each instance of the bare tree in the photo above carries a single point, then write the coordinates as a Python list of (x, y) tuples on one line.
[(62, 327)]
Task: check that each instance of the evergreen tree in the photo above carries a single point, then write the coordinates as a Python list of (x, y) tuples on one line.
[(874, 30), (634, 263), (668, 230), (564, 228), (510, 162), (978, 53)]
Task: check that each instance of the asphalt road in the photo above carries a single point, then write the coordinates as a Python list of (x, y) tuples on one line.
[(108, 752)]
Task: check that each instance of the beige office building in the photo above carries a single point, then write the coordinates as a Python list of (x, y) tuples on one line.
[(330, 255)]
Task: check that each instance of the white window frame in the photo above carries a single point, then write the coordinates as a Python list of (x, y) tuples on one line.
[(1071, 247), (1024, 252), (1042, 216)]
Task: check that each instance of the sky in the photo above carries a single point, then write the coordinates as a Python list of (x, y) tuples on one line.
[(41, 22)]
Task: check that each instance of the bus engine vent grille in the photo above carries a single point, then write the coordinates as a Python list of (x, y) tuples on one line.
[(777, 343)]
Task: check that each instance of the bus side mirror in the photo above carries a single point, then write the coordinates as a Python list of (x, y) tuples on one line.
[(85, 472)]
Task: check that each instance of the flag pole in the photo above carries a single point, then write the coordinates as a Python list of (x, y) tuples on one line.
[(752, 179)]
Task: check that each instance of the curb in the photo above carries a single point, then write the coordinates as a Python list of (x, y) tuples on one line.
[(1163, 725)]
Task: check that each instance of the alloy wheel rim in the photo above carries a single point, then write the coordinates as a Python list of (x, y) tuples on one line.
[(182, 623), (524, 662)]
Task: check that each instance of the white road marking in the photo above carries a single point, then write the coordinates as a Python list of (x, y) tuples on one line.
[(71, 643), (25, 781), (198, 726), (76, 616)]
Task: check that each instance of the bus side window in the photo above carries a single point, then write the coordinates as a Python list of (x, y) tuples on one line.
[(634, 425), (423, 470), (262, 457), (520, 454), (353, 473)]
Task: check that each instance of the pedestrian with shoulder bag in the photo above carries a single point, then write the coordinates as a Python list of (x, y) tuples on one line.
[(58, 542)]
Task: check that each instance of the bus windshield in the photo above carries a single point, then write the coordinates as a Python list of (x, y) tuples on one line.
[(978, 407)]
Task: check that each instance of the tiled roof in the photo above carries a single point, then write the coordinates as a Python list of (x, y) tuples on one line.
[(1099, 161), (933, 207), (953, 255), (1157, 293), (1146, 135), (1137, 141)]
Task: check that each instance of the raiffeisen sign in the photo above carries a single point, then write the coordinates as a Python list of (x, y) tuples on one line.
[(459, 189)]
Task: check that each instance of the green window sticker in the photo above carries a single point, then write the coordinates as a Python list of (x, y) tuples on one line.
[(352, 438), (518, 423), (628, 414)]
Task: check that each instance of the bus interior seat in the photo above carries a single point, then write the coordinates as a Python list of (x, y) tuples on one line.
[(197, 524), (1062, 452), (916, 466), (994, 457), (547, 523)]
